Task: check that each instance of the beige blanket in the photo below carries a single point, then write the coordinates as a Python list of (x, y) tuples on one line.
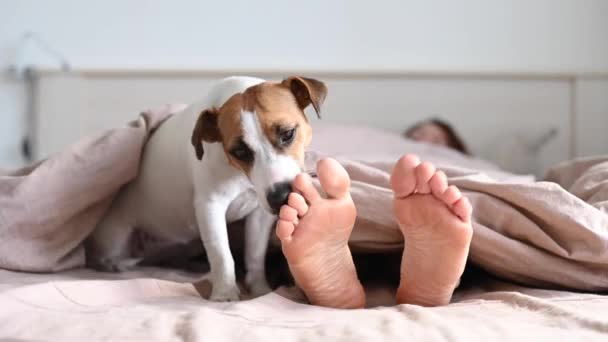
[(550, 233), (537, 233), (547, 233)]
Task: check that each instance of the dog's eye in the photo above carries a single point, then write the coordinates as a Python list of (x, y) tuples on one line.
[(286, 136), (242, 152)]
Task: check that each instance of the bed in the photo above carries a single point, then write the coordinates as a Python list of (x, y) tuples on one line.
[(541, 246)]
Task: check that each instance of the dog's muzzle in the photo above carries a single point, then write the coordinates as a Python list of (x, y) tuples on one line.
[(277, 195)]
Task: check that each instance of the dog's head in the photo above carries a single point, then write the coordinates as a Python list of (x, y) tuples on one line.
[(264, 132)]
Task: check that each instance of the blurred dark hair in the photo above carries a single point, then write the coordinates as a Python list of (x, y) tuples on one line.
[(454, 140)]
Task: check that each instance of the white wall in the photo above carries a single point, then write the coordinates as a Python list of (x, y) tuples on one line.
[(471, 35)]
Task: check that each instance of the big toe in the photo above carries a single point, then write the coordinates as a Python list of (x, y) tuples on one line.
[(333, 178)]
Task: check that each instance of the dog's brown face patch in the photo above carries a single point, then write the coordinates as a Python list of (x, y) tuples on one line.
[(229, 130), (279, 113), (281, 120)]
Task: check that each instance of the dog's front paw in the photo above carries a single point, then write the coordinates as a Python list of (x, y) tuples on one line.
[(225, 293), (259, 289), (113, 265), (258, 286)]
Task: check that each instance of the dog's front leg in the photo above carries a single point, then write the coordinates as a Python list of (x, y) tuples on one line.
[(211, 219), (257, 233)]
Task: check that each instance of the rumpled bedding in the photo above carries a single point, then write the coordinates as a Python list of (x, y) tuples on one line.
[(161, 305), (550, 233)]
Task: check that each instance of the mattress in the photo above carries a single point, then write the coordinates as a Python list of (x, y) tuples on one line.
[(152, 304), (549, 234)]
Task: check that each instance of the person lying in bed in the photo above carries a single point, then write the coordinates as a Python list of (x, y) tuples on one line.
[(437, 132), (435, 220)]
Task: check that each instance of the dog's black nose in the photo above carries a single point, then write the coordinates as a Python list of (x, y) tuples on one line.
[(277, 196)]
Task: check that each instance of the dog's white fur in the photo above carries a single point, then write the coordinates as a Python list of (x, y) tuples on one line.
[(270, 167), (178, 197)]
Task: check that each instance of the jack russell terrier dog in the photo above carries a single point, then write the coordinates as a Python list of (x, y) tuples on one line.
[(229, 157)]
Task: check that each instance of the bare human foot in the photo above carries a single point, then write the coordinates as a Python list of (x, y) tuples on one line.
[(435, 220), (314, 233)]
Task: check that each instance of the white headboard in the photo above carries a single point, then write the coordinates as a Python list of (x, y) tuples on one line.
[(498, 115)]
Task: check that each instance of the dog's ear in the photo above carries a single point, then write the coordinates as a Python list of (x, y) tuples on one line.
[(307, 91), (206, 129)]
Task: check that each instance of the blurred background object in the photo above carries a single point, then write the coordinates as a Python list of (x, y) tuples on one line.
[(504, 74), (437, 132)]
